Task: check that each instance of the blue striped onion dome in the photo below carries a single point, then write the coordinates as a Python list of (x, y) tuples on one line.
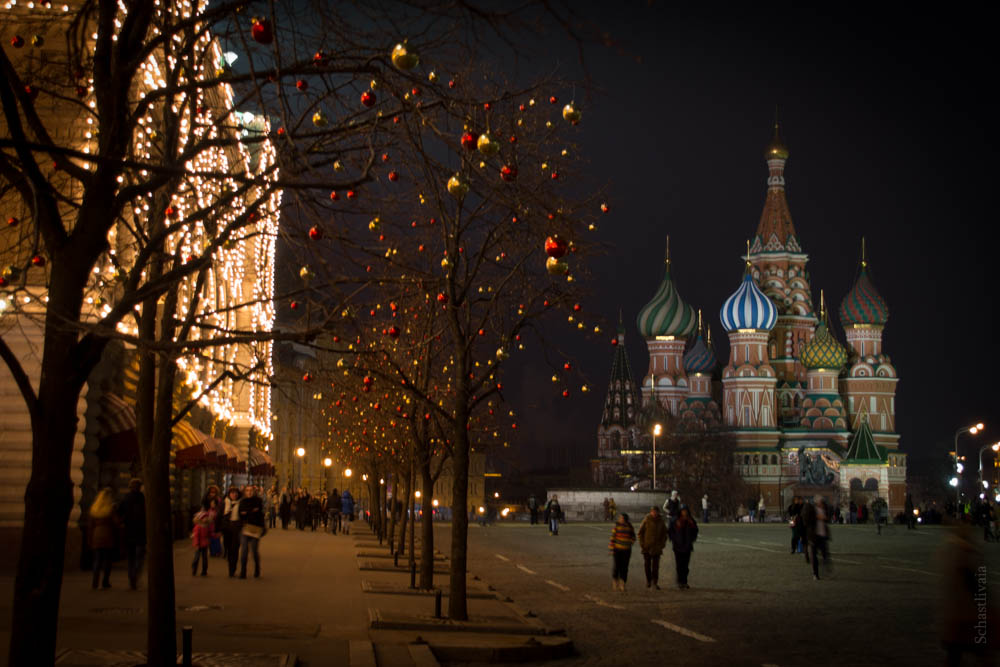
[(748, 308), (863, 304), (823, 351), (700, 359), (666, 314)]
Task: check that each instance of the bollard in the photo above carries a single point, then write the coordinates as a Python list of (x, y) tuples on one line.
[(413, 574), (186, 645), (437, 603)]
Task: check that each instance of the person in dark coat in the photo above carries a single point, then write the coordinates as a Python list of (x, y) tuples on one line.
[(908, 515), (652, 539), (285, 507), (301, 509), (347, 509), (533, 508), (102, 536), (334, 508), (251, 509), (683, 533), (315, 507), (816, 520), (795, 519), (132, 515), (553, 513), (231, 525)]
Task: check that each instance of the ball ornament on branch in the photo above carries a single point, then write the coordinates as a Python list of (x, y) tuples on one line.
[(37, 41), (404, 58), (556, 246), (12, 221), (368, 99), (457, 187), (556, 266), (469, 141), (17, 41), (316, 233), (38, 260), (320, 119), (307, 377), (262, 32), (306, 274), (508, 173), (486, 145), (571, 113)]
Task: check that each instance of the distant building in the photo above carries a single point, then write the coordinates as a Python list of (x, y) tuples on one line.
[(807, 414)]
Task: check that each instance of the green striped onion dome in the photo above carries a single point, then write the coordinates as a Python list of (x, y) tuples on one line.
[(823, 351), (863, 304), (666, 314)]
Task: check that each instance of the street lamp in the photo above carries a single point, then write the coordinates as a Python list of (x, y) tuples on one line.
[(657, 430), (995, 447), (300, 452), (348, 472), (971, 429)]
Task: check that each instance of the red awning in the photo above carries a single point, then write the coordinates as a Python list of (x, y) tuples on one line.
[(189, 446)]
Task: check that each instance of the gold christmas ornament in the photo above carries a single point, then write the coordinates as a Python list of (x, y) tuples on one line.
[(556, 266), (486, 145), (404, 58), (457, 188), (306, 273), (320, 119), (571, 113)]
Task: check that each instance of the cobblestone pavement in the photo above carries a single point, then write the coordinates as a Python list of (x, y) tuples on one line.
[(750, 603)]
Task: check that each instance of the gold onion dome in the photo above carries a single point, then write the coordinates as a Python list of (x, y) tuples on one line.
[(823, 350), (776, 148)]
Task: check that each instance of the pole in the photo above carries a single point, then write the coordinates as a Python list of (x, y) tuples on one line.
[(654, 461), (958, 477)]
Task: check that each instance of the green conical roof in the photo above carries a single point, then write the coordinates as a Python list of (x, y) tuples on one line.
[(863, 448)]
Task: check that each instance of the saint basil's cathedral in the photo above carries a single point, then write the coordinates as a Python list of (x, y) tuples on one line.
[(806, 413)]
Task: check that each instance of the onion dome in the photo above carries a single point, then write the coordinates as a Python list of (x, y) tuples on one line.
[(666, 314), (748, 307), (700, 358), (863, 304), (776, 148), (823, 350)]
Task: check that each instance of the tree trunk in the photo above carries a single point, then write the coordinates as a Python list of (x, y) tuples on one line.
[(413, 517), (457, 603), (48, 499), (427, 526), (405, 498)]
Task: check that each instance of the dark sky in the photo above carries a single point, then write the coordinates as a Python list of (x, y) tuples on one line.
[(885, 119)]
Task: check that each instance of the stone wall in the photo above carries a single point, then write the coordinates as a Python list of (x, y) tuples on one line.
[(588, 504)]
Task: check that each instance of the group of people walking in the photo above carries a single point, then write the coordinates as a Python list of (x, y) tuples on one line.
[(112, 528), (231, 527), (680, 529), (335, 512)]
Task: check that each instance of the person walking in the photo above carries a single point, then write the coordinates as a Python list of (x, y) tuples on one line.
[(314, 510), (622, 539), (798, 527), (760, 509), (201, 536), (552, 512), (652, 539), (231, 526), (347, 509), (704, 508), (102, 536), (285, 507), (911, 519), (683, 532), (880, 512), (815, 517), (672, 507), (533, 508), (251, 509), (607, 509), (334, 508), (271, 508), (613, 508), (132, 515)]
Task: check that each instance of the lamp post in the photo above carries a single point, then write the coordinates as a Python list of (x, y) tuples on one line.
[(657, 429), (327, 462), (300, 452), (996, 448), (972, 429)]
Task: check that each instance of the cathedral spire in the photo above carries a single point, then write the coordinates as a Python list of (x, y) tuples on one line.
[(775, 231)]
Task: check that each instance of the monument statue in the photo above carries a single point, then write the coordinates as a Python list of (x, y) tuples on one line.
[(813, 469)]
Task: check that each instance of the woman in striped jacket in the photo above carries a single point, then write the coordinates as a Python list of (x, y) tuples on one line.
[(622, 538)]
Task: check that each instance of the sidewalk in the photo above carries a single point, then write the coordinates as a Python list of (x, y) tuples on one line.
[(313, 603)]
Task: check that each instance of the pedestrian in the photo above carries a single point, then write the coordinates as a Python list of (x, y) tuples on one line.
[(301, 509), (652, 539), (613, 508), (132, 515), (314, 509), (607, 509), (251, 510), (704, 508), (271, 506), (815, 517), (796, 524), (102, 535), (683, 532), (908, 515), (347, 510), (324, 505), (760, 509), (533, 508), (852, 513), (215, 542), (552, 512), (285, 507), (672, 506), (622, 539), (741, 512), (201, 536), (880, 512), (334, 507), (231, 528)]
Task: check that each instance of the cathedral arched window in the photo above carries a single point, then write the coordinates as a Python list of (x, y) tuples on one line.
[(756, 461), (774, 459), (616, 440), (746, 460)]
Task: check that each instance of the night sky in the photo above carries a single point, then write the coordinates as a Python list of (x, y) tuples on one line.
[(884, 116)]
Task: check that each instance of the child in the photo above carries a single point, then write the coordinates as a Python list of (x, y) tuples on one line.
[(201, 537)]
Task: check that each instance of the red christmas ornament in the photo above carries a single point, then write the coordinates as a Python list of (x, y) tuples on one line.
[(302, 85), (281, 131), (394, 331), (508, 173), (468, 141), (486, 105), (368, 98), (442, 297), (334, 196), (393, 176), (307, 377), (567, 366), (294, 305), (604, 208), (415, 91), (452, 84), (17, 41), (577, 307), (565, 393), (482, 332), (319, 58), (38, 260), (81, 91), (555, 246), (614, 341), (521, 107), (385, 157), (367, 380), (12, 221), (351, 194), (3, 281), (171, 211), (261, 31), (553, 100), (555, 175), (31, 91), (513, 139), (316, 233)]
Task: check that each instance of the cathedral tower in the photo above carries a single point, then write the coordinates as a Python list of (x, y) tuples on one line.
[(666, 322), (824, 357), (870, 385), (700, 412), (779, 267), (618, 429), (749, 379)]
